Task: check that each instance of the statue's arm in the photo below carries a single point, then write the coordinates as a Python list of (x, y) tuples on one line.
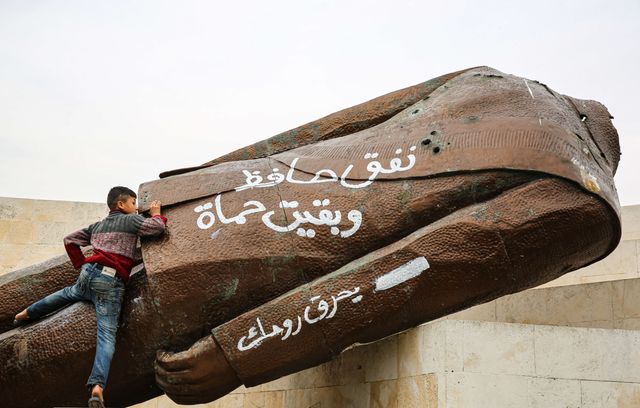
[(472, 256), (20, 288)]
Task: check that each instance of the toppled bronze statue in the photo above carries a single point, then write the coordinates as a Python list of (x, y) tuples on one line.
[(359, 225)]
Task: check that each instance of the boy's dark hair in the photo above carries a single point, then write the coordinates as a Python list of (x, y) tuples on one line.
[(119, 193)]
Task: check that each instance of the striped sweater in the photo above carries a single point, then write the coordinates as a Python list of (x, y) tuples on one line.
[(114, 240)]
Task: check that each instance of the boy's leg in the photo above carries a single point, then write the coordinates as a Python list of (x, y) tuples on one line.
[(107, 294), (63, 297)]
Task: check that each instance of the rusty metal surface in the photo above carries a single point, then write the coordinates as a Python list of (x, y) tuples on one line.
[(32, 283), (359, 225)]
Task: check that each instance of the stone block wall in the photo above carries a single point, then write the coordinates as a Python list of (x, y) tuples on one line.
[(606, 305), (464, 364), (31, 231)]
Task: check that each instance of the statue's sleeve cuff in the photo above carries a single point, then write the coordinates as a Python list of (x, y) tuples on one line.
[(315, 322), (257, 346)]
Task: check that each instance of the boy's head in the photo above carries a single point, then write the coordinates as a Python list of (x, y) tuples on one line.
[(123, 199)]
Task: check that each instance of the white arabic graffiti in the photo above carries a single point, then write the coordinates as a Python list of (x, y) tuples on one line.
[(332, 219), (254, 179), (323, 312)]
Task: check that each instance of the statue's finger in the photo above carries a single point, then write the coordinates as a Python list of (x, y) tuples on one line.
[(174, 361), (162, 383), (182, 382), (173, 384), (192, 393), (176, 377)]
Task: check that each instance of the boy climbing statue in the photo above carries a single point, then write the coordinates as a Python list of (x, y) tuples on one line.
[(103, 275)]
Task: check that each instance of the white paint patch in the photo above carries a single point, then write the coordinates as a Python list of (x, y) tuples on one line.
[(527, 84), (216, 233), (402, 274)]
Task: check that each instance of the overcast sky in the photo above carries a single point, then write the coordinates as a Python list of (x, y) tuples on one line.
[(101, 93)]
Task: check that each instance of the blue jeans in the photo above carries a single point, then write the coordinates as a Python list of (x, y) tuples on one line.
[(106, 293)]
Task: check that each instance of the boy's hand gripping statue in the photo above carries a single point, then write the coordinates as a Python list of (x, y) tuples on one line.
[(359, 225)]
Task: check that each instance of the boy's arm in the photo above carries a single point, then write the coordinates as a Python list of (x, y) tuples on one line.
[(74, 241), (155, 225)]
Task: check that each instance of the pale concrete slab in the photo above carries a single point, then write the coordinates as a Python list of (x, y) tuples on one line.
[(419, 392), (354, 396), (554, 393), (382, 360), (631, 222), (229, 401), (472, 390), (610, 395), (384, 394), (486, 312), (558, 306), (264, 400), (31, 231), (411, 353), (498, 349), (587, 354)]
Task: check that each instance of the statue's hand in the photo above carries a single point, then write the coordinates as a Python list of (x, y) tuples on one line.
[(200, 374)]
